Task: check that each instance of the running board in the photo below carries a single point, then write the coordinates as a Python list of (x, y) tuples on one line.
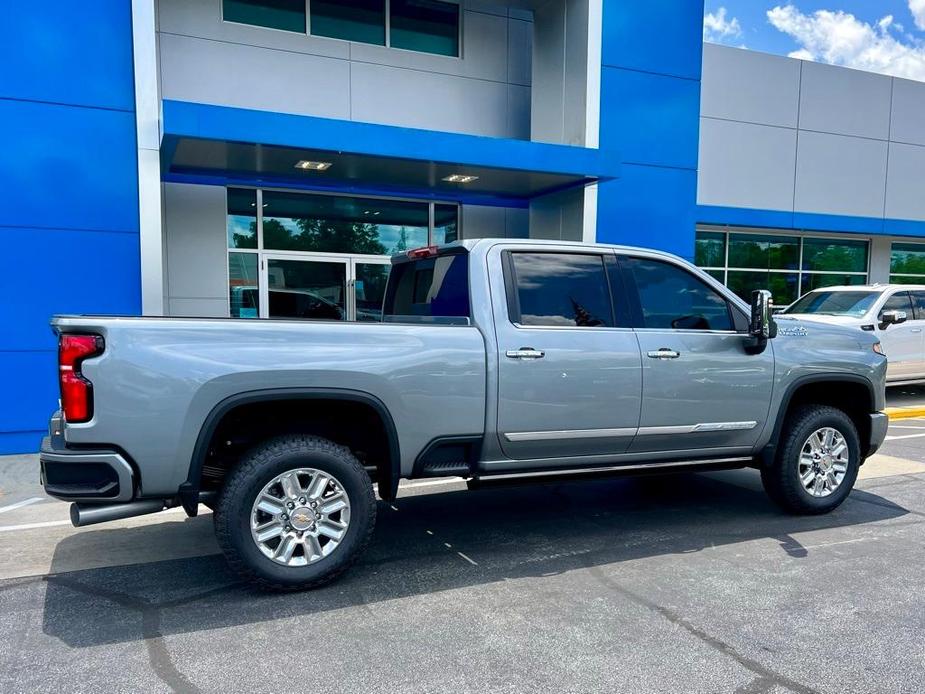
[(635, 470)]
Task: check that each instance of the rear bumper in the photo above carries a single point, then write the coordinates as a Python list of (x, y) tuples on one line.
[(97, 475), (879, 422)]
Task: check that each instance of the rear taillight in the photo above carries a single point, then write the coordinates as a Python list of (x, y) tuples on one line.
[(76, 391), (423, 252)]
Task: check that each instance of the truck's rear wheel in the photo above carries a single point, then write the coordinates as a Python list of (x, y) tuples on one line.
[(817, 461), (295, 513)]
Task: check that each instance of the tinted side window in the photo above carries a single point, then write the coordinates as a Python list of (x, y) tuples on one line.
[(567, 289), (918, 303), (431, 287), (671, 297), (898, 302)]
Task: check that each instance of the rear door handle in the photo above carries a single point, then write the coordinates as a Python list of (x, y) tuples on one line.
[(915, 330), (663, 353), (525, 353)]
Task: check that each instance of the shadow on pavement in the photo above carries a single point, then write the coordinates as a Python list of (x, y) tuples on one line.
[(509, 533)]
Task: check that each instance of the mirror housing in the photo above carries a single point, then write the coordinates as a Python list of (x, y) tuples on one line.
[(892, 318), (761, 326)]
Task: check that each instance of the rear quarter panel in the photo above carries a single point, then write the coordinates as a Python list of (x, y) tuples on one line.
[(159, 378)]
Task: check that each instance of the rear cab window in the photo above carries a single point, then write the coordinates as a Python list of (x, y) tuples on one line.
[(432, 289)]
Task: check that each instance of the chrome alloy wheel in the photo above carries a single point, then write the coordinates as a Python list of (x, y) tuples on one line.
[(300, 517), (823, 461)]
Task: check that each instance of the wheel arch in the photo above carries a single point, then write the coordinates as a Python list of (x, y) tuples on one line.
[(824, 389), (389, 470)]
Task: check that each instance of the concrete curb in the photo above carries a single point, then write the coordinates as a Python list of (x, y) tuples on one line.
[(904, 412)]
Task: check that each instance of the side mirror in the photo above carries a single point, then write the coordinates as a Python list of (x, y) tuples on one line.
[(892, 318), (761, 327)]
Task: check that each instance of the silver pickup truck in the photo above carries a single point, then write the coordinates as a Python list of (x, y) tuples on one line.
[(495, 358)]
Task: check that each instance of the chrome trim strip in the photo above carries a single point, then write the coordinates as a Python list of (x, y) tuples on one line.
[(614, 468), (521, 436), (696, 428)]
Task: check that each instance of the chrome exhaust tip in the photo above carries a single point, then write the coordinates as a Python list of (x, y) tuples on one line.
[(90, 514)]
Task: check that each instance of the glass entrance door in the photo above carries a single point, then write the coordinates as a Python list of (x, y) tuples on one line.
[(322, 287)]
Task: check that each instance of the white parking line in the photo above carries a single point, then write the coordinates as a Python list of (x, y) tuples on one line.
[(905, 436), (32, 526), (20, 504)]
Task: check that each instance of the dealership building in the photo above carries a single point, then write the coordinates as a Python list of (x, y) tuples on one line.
[(263, 158)]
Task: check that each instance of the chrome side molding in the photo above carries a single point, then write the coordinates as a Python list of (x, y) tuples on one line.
[(566, 434)]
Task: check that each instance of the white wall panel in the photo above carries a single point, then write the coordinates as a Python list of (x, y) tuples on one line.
[(749, 86), (905, 187), (908, 123), (196, 242), (231, 74), (746, 165), (845, 102), (840, 175)]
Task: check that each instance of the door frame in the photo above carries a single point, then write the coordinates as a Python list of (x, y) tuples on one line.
[(349, 262)]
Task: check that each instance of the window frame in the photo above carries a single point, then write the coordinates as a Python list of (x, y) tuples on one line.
[(801, 236), (737, 319), (460, 19), (618, 315)]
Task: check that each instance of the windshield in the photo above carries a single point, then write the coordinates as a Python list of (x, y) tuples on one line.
[(835, 303)]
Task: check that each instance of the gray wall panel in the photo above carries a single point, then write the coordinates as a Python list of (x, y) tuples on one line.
[(518, 116), (749, 86), (908, 123), (845, 102), (840, 175), (483, 221), (520, 50), (194, 222), (232, 74), (382, 94), (746, 165), (198, 308), (905, 188)]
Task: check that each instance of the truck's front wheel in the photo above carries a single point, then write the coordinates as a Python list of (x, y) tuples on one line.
[(817, 460), (295, 513)]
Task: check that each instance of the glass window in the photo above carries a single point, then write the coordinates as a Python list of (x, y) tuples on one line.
[(369, 290), (342, 224), (351, 20), (839, 255), (429, 287), (918, 304), (898, 302), (835, 303), (907, 259), (710, 249), (244, 298), (446, 224), (764, 251), (241, 222), (567, 289), (817, 281), (306, 289), (288, 15), (425, 25), (784, 286), (671, 297)]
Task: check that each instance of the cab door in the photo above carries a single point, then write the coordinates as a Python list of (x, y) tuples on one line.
[(700, 389), (903, 343), (569, 381)]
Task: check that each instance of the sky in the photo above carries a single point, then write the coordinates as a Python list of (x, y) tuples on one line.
[(885, 36)]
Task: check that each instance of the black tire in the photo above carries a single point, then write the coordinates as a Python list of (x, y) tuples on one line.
[(781, 480), (256, 469)]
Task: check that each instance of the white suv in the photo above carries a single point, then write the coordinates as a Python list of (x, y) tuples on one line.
[(893, 312)]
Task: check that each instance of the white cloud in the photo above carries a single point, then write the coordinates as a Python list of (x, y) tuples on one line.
[(717, 29), (917, 8), (840, 38)]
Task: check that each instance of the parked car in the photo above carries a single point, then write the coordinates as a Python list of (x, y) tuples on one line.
[(894, 313), (495, 358)]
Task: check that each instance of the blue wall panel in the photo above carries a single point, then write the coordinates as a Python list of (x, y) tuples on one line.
[(651, 119), (660, 36), (79, 271), (68, 52), (65, 167), (68, 189), (649, 206)]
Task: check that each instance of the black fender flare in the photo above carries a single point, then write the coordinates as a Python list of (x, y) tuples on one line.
[(766, 456), (388, 485)]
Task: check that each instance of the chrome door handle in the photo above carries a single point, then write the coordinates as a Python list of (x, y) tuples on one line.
[(525, 353), (915, 330), (663, 353)]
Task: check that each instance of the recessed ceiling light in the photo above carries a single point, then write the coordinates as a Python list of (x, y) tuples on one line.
[(313, 165), (460, 178)]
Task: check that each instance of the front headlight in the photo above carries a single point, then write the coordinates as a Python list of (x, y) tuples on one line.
[(878, 348)]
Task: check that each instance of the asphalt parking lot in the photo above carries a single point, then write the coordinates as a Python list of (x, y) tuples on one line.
[(691, 583)]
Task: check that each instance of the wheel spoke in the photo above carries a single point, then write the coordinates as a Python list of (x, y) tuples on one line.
[(333, 504), (312, 546), (815, 442), (831, 481), (807, 477), (828, 438), (329, 528), (270, 504), (285, 549), (318, 484), (268, 531), (818, 486), (840, 449), (290, 485)]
